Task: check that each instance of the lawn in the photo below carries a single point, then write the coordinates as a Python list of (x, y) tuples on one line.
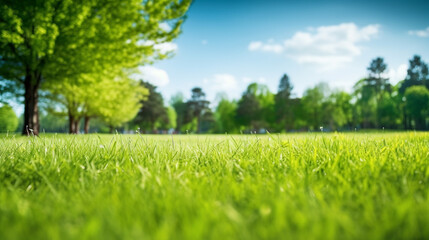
[(290, 186)]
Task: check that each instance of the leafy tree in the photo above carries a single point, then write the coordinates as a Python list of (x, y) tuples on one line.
[(153, 109), (102, 97), (177, 102), (312, 102), (283, 104), (256, 107), (366, 104), (417, 105), (8, 119), (417, 74), (51, 40), (198, 107), (388, 113), (337, 110), (172, 119), (225, 116), (375, 78), (123, 104)]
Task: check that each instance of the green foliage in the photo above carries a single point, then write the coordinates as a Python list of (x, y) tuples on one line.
[(417, 74), (8, 119), (153, 112), (337, 110), (172, 118), (53, 123), (255, 109), (312, 103), (198, 108), (177, 102), (284, 105), (295, 186), (225, 116), (74, 43), (417, 105)]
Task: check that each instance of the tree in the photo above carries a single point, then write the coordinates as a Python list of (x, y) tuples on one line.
[(172, 119), (55, 39), (417, 105), (53, 123), (179, 106), (312, 102), (97, 95), (123, 103), (8, 119), (198, 107), (225, 116), (337, 110), (366, 104), (417, 74), (283, 104), (153, 110), (388, 114), (375, 79), (256, 107)]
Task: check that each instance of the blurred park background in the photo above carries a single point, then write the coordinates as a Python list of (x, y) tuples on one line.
[(182, 66)]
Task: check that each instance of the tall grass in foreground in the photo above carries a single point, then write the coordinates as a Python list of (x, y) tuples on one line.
[(303, 186)]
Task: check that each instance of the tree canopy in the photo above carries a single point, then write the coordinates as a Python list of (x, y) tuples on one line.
[(61, 41)]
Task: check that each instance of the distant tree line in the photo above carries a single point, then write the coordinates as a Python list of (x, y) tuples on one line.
[(374, 103)]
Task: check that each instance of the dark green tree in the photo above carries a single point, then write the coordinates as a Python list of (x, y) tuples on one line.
[(417, 74), (153, 110), (375, 79), (284, 105), (254, 107), (198, 107)]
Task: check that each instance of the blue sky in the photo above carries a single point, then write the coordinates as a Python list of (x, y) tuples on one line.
[(225, 45)]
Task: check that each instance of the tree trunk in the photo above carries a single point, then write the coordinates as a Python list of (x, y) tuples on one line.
[(111, 129), (86, 125), (72, 129), (76, 125), (73, 124), (31, 106)]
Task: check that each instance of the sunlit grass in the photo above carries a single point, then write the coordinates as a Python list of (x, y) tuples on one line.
[(302, 186)]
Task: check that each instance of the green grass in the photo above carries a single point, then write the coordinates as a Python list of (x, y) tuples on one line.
[(300, 186)]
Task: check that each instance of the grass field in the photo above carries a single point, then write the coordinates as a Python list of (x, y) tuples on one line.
[(299, 186)]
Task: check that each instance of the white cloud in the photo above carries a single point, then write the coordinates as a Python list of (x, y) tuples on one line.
[(221, 82), (155, 76), (398, 74), (420, 33), (326, 46), (204, 42), (246, 80), (166, 47), (266, 47)]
